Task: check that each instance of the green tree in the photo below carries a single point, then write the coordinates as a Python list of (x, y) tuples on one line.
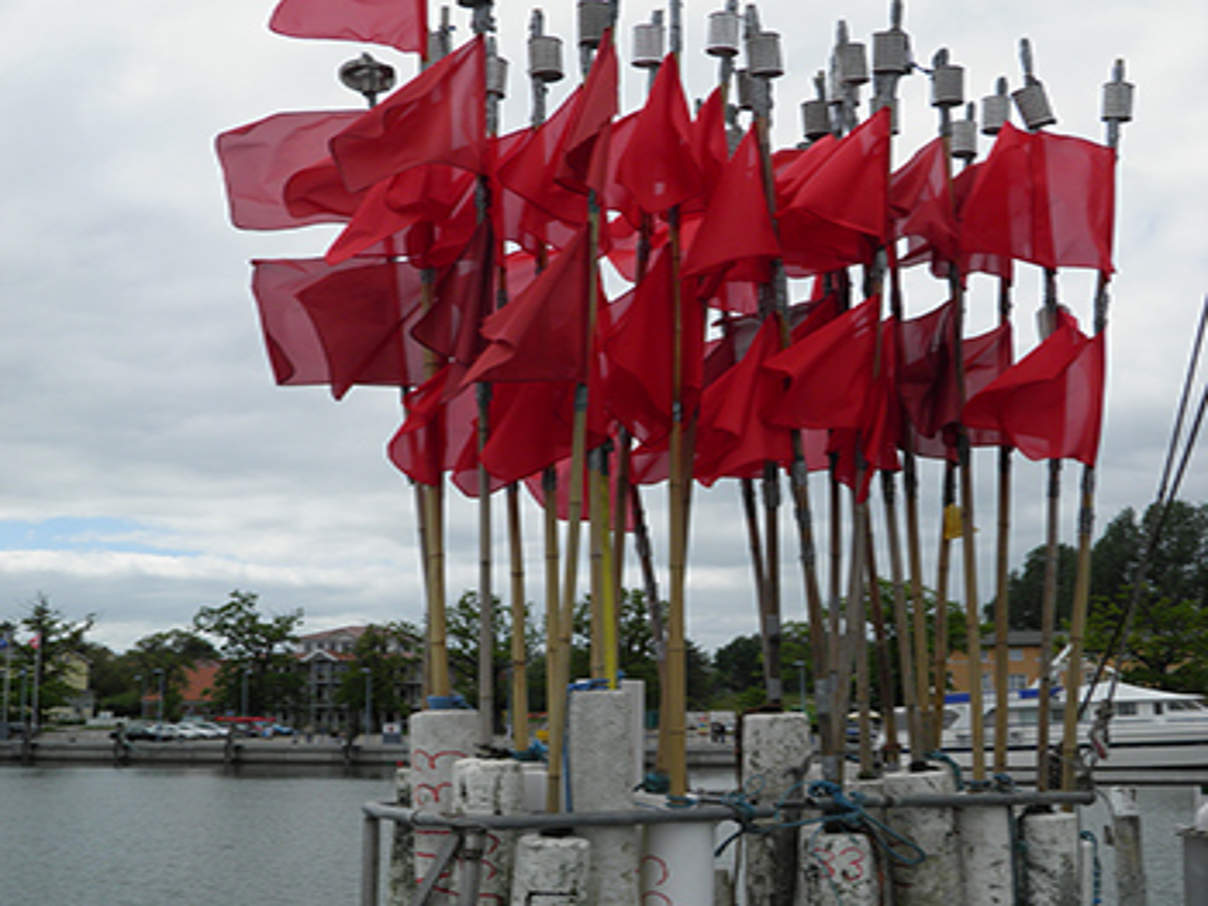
[(254, 646), (1167, 644), (172, 651), (1025, 588), (388, 653), (57, 638)]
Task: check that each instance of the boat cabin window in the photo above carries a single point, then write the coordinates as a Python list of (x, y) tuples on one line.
[(1157, 707), (1184, 706), (1028, 717), (1126, 709)]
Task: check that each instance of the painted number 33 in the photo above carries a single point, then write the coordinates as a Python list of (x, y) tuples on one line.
[(845, 864)]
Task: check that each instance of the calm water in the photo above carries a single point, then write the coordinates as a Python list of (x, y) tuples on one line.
[(99, 836), (156, 836)]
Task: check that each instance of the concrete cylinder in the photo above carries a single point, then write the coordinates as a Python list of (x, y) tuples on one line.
[(985, 839), (1051, 861), (775, 749), (837, 870), (636, 690), (551, 869), (535, 780), (601, 775), (401, 872), (492, 787), (1126, 840), (936, 881), (677, 864), (438, 740)]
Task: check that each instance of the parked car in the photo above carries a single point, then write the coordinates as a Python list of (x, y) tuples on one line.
[(188, 731), (282, 730), (162, 732)]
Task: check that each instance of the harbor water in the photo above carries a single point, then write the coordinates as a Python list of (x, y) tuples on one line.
[(147, 836)]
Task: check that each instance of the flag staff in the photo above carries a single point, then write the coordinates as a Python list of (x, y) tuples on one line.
[(545, 66), (483, 22), (996, 109), (1034, 107), (947, 92), (1117, 109), (891, 61), (949, 531)]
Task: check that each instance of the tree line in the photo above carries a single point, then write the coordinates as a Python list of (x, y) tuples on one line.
[(1167, 645)]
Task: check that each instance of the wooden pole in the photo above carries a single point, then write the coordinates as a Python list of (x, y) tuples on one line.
[(520, 706), (1001, 623), (554, 692), (948, 500), (1086, 515), (889, 723)]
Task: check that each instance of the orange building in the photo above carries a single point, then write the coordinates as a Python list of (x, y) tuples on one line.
[(1023, 662)]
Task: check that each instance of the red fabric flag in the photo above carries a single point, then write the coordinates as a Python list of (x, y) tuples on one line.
[(360, 316), (921, 202), (439, 424), (541, 335), (580, 162), (463, 297), (396, 23), (829, 373), (710, 146), (1049, 404), (437, 117), (638, 354), (839, 212), (535, 485), (298, 349), (658, 167), (1043, 198), (875, 444), (732, 440), (736, 225), (259, 159), (532, 425)]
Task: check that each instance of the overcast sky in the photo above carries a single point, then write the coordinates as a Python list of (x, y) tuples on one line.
[(150, 465)]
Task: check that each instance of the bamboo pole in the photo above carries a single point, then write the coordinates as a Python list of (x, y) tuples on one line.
[(596, 529), (1086, 515), (519, 697), (889, 723), (554, 701), (1001, 565), (947, 501)]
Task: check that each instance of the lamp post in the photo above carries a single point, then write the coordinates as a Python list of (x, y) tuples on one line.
[(800, 665), (142, 693), (247, 671), (159, 726), (368, 697), (21, 713)]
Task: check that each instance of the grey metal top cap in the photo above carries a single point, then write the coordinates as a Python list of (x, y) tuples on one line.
[(1031, 100), (648, 40), (594, 18), (722, 39), (1117, 97), (890, 53), (815, 119), (367, 76), (497, 76), (852, 63), (763, 55), (996, 108), (964, 136), (545, 58)]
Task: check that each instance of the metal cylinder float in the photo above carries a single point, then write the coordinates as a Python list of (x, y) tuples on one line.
[(722, 37), (1033, 105), (545, 58), (647, 45), (594, 18), (764, 59)]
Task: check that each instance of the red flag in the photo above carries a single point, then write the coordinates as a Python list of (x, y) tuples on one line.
[(919, 249), (359, 314), (829, 373), (659, 166), (396, 23), (637, 350), (298, 349), (732, 440), (579, 157), (437, 117), (736, 225), (877, 438), (1049, 404), (709, 144), (541, 335), (462, 299), (1043, 198), (439, 424), (259, 159), (839, 213), (921, 202)]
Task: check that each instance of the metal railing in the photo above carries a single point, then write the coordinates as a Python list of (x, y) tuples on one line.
[(468, 831)]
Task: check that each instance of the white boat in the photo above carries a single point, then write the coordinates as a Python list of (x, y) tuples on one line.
[(1149, 728)]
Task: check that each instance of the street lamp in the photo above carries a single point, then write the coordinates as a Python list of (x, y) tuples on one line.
[(800, 665), (247, 671), (142, 694), (159, 726), (368, 697)]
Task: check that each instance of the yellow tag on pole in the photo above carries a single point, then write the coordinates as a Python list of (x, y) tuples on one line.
[(952, 522)]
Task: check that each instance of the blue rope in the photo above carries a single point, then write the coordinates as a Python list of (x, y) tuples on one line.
[(937, 755), (1097, 870)]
